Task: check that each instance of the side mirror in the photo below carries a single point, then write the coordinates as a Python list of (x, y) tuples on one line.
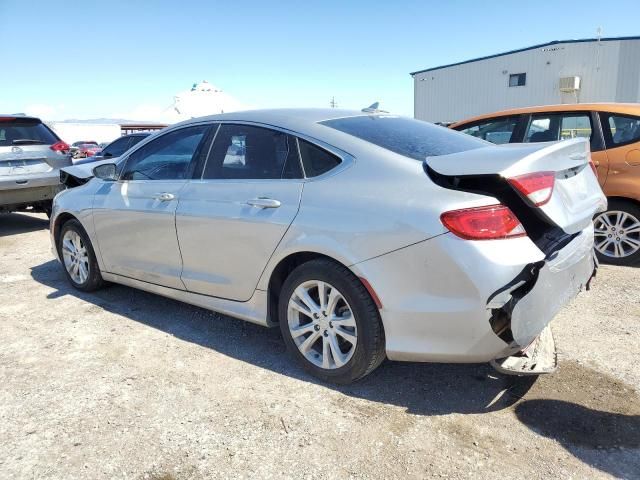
[(106, 171)]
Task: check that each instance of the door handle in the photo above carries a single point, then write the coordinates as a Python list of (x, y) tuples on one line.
[(164, 196), (262, 202)]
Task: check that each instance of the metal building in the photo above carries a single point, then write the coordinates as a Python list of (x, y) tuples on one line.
[(565, 71)]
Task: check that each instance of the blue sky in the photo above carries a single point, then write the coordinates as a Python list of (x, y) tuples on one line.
[(68, 59)]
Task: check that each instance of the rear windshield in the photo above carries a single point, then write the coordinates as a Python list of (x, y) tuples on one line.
[(24, 131), (406, 136)]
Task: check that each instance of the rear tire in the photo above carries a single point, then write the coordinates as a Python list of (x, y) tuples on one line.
[(78, 257), (617, 233), (343, 338)]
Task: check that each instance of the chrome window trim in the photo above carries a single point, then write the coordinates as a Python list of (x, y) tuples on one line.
[(304, 173), (206, 160)]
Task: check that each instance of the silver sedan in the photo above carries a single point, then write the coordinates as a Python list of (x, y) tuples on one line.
[(362, 235)]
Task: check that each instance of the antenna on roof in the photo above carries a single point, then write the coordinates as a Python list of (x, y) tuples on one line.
[(373, 108)]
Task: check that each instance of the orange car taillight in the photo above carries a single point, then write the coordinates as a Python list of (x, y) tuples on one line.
[(537, 187), (483, 223)]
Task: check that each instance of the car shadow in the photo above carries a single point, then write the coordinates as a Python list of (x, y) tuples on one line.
[(419, 388), (15, 223), (582, 431)]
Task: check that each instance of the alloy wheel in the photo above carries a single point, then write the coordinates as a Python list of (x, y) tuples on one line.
[(75, 256), (322, 324), (617, 234)]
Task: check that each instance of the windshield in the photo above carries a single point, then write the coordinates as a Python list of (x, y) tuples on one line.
[(25, 131), (406, 136)]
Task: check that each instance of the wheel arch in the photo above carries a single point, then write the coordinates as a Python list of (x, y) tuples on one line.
[(279, 274), (618, 198), (59, 221), (287, 264)]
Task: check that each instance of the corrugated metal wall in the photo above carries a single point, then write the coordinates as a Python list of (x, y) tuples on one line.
[(609, 71)]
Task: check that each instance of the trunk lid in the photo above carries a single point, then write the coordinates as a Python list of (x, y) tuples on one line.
[(576, 195), (24, 160)]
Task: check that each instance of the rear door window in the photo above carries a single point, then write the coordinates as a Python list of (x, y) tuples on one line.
[(620, 129), (25, 131), (249, 152), (495, 130), (554, 127)]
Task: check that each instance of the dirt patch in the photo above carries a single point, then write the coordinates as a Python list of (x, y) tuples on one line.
[(582, 406)]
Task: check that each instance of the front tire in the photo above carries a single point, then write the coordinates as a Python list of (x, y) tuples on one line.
[(330, 323), (78, 257), (617, 233)]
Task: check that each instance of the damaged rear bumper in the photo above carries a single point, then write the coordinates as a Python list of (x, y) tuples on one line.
[(521, 311), (451, 300)]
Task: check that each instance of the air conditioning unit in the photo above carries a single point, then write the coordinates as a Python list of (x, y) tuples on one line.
[(569, 84)]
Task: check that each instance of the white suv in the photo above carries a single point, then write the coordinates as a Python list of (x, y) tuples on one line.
[(31, 155)]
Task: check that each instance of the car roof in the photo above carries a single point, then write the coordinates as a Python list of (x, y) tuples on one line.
[(292, 118), (624, 108)]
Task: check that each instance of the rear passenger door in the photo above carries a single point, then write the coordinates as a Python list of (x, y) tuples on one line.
[(551, 127), (230, 220)]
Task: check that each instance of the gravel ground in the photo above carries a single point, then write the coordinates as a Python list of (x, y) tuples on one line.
[(125, 384)]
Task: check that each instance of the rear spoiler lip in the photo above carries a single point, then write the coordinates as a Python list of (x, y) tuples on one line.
[(507, 160)]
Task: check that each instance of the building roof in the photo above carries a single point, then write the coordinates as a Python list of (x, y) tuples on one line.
[(534, 47)]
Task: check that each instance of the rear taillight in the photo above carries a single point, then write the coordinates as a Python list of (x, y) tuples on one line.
[(537, 187), (593, 167), (483, 223), (60, 147)]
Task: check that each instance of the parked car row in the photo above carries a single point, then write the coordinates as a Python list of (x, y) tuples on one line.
[(362, 235), (613, 131)]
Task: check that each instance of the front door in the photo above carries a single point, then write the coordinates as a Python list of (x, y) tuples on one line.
[(134, 217), (231, 220)]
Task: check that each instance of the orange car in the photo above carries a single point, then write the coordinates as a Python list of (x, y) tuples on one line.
[(614, 133)]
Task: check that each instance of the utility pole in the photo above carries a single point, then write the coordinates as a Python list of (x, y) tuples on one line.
[(333, 102)]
